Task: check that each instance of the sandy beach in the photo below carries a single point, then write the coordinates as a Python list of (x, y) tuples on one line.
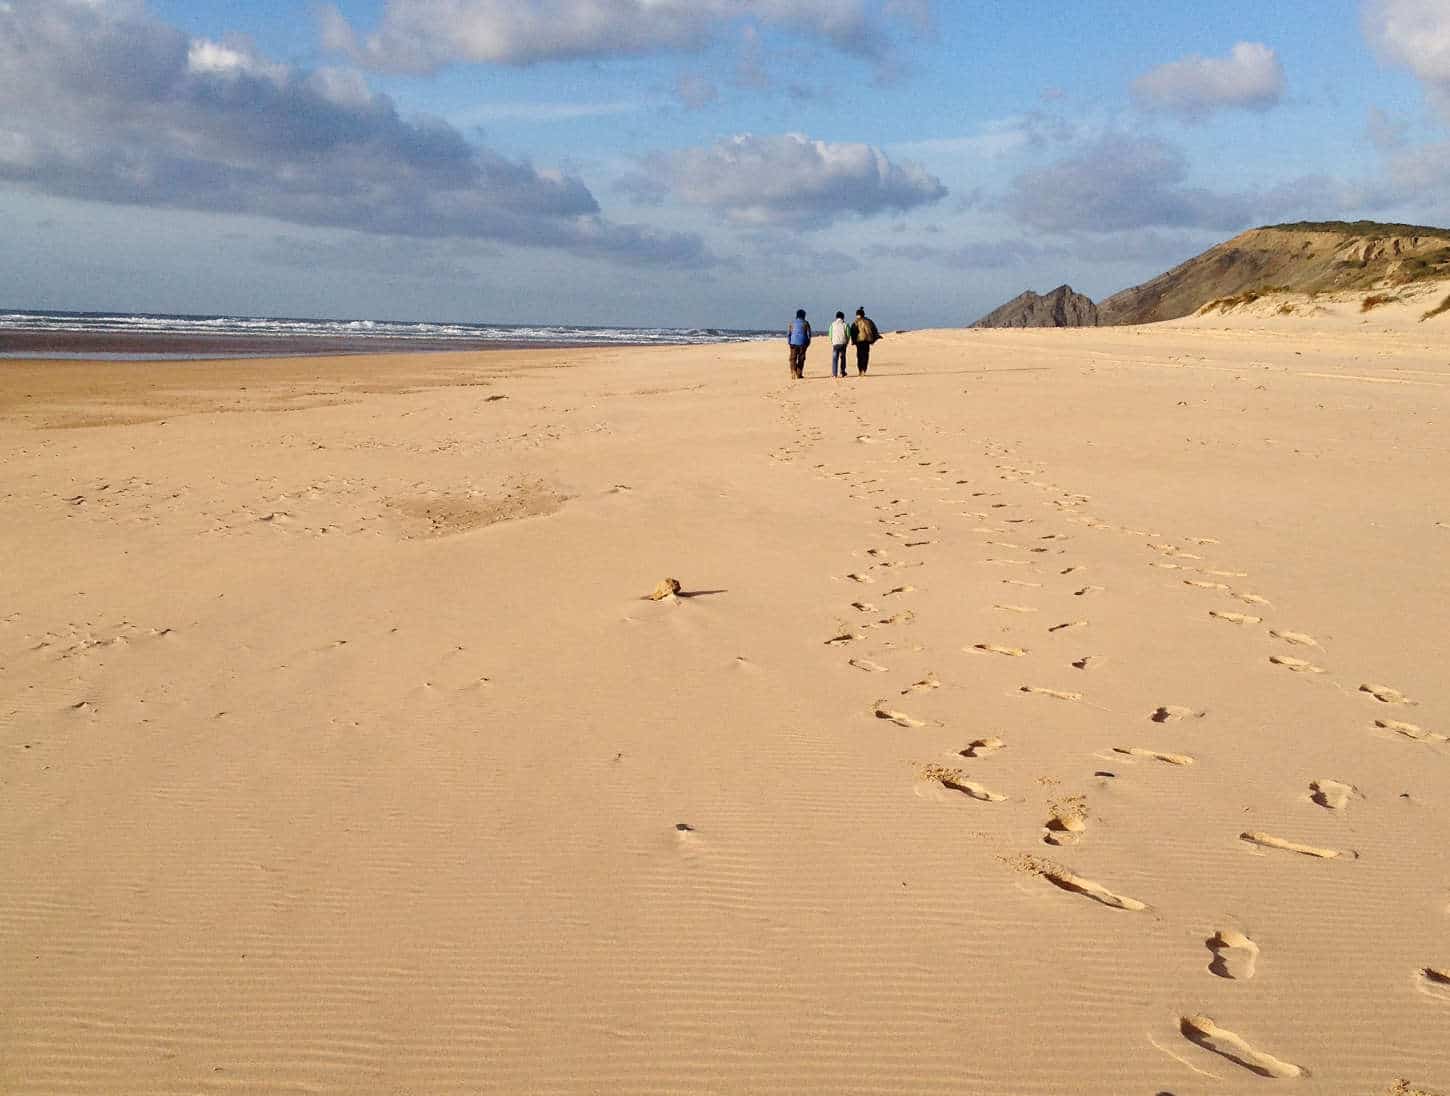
[(1047, 712)]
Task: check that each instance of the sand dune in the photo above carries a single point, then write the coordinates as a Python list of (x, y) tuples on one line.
[(344, 754)]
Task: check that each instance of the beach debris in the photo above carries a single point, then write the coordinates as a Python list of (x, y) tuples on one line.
[(667, 587)]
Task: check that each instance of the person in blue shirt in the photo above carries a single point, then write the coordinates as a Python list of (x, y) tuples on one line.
[(798, 337)]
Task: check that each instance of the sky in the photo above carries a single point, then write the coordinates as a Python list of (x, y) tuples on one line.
[(688, 162)]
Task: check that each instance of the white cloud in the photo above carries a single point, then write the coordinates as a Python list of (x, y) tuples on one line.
[(1249, 78), (1416, 34), (790, 179), (137, 113), (424, 35)]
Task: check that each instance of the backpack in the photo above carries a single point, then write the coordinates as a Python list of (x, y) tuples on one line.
[(866, 330)]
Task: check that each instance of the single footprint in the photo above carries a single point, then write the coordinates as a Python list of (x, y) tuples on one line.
[(900, 590), (999, 649), (1066, 625), (856, 576), (1409, 730), (1169, 713), (1234, 955), (1075, 884), (1021, 582), (971, 790), (901, 719), (1088, 591), (863, 606), (1059, 694), (1269, 841), (1298, 665), (926, 684), (1089, 662), (867, 665), (1434, 982), (1066, 821), (1386, 695), (1332, 793), (1298, 639), (842, 639), (1251, 599), (1155, 755), (982, 747), (1235, 618), (1202, 1031), (1015, 608), (1202, 585)]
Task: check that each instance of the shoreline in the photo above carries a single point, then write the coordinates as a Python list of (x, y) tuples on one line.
[(154, 346)]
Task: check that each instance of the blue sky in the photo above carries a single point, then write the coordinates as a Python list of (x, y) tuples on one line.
[(692, 162)]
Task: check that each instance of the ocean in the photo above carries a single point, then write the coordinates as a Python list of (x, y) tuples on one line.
[(139, 335)]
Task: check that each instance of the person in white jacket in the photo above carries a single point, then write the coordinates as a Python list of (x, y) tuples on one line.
[(840, 339)]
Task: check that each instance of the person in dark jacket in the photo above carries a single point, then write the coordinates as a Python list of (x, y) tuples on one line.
[(863, 334), (798, 337)]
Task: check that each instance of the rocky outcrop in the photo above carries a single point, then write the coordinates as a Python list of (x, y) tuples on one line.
[(1060, 308)]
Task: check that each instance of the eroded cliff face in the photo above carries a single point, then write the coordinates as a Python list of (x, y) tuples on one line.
[(1302, 259), (1061, 308)]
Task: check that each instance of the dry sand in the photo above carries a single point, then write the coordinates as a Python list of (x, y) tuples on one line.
[(1049, 712)]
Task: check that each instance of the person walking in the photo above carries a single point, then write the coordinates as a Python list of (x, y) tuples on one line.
[(863, 333), (798, 338), (840, 336)]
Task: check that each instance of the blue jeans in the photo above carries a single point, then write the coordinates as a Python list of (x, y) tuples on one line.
[(838, 354)]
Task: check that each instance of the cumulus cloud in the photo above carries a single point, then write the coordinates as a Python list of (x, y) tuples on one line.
[(424, 35), (137, 112), (789, 179), (1119, 183), (1416, 34), (1249, 78)]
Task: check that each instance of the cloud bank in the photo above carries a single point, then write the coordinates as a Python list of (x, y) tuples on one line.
[(788, 179), (1416, 34), (1249, 78), (136, 112), (425, 35)]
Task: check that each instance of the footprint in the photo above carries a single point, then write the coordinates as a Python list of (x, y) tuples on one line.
[(901, 719), (867, 665), (1298, 665), (1067, 625), (1410, 730), (842, 639), (863, 606), (998, 649), (1015, 608), (1235, 618), (1202, 585), (1434, 982), (1067, 821), (1251, 599), (1332, 793), (1090, 662), (1155, 755), (856, 576), (1088, 591), (1202, 1031), (926, 684), (1170, 713), (1021, 582), (1234, 955), (1227, 574), (1269, 841), (900, 590), (970, 789), (1059, 694), (1298, 639), (982, 747), (1075, 884), (1386, 695)]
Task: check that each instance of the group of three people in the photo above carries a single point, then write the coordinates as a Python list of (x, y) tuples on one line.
[(861, 333)]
